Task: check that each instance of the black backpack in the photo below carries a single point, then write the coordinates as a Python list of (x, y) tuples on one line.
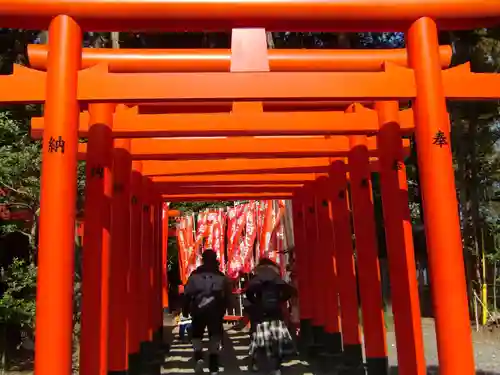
[(210, 293), (270, 298)]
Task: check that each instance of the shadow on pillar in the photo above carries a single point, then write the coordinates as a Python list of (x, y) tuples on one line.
[(332, 342), (306, 337), (377, 366), (318, 339), (152, 353), (314, 341), (134, 363), (124, 372)]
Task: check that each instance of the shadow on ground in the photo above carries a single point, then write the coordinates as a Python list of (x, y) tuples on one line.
[(234, 357), (176, 359)]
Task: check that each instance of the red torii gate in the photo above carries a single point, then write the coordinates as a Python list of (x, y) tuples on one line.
[(205, 151), (426, 83), (297, 162)]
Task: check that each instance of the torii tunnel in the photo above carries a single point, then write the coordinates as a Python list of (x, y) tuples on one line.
[(338, 117)]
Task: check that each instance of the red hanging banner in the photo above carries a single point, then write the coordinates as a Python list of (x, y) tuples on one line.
[(245, 223)]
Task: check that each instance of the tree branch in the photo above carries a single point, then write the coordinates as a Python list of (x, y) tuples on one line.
[(12, 189)]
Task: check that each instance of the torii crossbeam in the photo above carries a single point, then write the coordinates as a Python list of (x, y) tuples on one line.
[(217, 60), (128, 123), (274, 15), (240, 147)]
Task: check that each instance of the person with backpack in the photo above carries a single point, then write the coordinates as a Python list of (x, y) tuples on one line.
[(268, 292), (206, 297)]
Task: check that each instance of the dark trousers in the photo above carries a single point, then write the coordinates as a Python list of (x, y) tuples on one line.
[(183, 329), (214, 324)]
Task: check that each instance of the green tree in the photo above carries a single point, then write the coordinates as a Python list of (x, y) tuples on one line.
[(19, 164), (17, 304), (19, 181), (475, 133)]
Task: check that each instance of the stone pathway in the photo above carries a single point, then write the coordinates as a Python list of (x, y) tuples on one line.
[(234, 357)]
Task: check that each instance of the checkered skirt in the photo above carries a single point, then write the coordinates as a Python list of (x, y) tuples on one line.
[(273, 337)]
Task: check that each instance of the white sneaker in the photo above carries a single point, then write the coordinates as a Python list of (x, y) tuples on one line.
[(198, 368)]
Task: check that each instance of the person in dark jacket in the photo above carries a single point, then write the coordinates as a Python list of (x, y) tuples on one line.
[(267, 292), (206, 297)]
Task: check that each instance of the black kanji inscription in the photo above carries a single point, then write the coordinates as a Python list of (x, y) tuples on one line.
[(145, 208), (117, 187), (311, 210), (364, 183), (97, 171), (342, 194), (325, 203), (134, 199), (397, 165), (440, 139), (56, 145)]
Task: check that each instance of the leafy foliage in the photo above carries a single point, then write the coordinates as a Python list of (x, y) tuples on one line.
[(17, 303), (19, 164), (19, 181)]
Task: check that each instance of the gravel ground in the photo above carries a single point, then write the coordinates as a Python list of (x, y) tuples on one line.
[(486, 349)]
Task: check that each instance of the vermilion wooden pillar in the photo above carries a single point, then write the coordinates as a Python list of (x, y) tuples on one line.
[(145, 278), (135, 276), (54, 297), (442, 225), (161, 283), (96, 249), (119, 259), (153, 315), (164, 253), (346, 268), (367, 258), (158, 269), (399, 240), (327, 261), (317, 302), (146, 269), (154, 266), (302, 270)]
